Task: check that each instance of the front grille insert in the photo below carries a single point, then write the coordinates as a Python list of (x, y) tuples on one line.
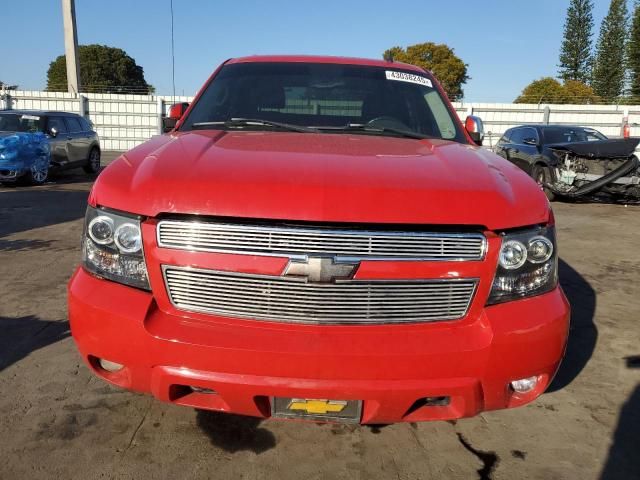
[(294, 300), (300, 241)]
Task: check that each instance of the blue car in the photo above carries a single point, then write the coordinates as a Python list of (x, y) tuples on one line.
[(35, 143)]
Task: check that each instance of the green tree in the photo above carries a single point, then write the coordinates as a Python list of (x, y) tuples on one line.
[(633, 55), (579, 93), (544, 90), (550, 90), (575, 53), (609, 70), (440, 59), (102, 69)]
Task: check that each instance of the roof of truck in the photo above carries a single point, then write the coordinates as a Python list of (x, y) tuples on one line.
[(325, 59)]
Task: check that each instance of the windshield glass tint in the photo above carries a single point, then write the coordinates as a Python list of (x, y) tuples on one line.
[(18, 122), (326, 96), (571, 135)]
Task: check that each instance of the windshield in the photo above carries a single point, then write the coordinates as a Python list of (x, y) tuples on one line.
[(328, 98), (20, 122), (571, 135)]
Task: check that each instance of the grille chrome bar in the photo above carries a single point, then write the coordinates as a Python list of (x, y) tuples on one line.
[(301, 241), (293, 300)]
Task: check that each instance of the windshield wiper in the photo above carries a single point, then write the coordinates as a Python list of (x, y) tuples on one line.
[(355, 127), (248, 122)]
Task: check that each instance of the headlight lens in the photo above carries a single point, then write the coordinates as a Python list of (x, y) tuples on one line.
[(112, 248), (540, 249), (128, 238), (513, 254), (527, 265), (101, 230)]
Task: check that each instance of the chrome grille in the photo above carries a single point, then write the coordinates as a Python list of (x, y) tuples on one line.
[(288, 241), (285, 299)]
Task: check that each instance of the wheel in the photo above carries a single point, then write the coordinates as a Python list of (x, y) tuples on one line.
[(542, 175), (93, 164), (37, 175)]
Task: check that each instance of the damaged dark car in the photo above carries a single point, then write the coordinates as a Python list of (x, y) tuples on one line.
[(575, 162)]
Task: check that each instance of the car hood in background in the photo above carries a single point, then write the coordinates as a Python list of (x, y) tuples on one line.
[(321, 177), (612, 148)]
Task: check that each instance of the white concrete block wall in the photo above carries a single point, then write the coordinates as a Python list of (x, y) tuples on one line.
[(36, 100), (124, 121)]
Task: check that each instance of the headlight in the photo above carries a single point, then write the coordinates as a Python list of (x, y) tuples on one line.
[(101, 230), (128, 238), (112, 248), (527, 265)]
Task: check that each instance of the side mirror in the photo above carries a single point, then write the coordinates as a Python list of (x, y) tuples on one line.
[(176, 111), (53, 131), (475, 128), (530, 141)]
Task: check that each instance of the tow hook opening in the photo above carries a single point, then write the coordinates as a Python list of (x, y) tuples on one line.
[(204, 391), (197, 397), (439, 401)]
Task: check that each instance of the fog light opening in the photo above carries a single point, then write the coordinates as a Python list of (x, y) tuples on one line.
[(109, 366), (524, 385)]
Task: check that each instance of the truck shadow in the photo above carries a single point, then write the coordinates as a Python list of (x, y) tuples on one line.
[(583, 333), (623, 461), (235, 433), (73, 176), (21, 336), (30, 208)]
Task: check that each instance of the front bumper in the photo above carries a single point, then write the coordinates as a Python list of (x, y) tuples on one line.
[(11, 174), (389, 367)]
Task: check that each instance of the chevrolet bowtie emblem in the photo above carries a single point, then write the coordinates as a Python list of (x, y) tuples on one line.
[(317, 407), (321, 269)]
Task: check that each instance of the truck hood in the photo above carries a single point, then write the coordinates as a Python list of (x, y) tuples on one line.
[(321, 177)]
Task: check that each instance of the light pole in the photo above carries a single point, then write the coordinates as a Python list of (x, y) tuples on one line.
[(71, 45)]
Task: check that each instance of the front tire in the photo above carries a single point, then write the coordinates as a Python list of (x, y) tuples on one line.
[(37, 175), (93, 164), (542, 175)]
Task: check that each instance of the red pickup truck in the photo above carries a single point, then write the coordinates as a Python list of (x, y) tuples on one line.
[(321, 238)]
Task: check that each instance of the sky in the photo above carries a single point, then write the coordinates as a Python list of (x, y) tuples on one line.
[(506, 43)]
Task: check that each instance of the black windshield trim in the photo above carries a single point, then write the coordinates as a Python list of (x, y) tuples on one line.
[(367, 129), (252, 122)]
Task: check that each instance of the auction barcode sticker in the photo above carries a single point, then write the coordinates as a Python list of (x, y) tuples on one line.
[(408, 77)]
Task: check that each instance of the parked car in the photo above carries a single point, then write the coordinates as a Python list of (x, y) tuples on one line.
[(321, 238), (72, 143), (572, 161)]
